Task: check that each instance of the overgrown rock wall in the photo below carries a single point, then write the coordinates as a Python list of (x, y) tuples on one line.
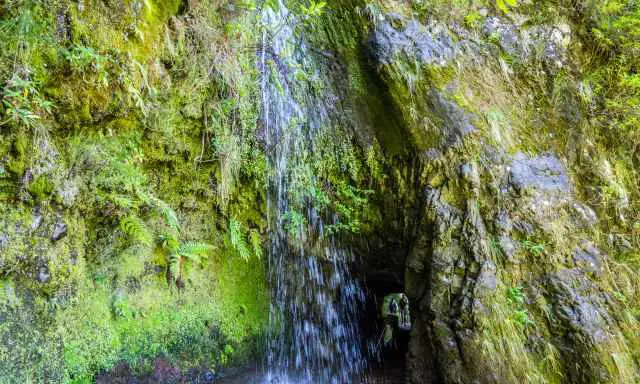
[(488, 149)]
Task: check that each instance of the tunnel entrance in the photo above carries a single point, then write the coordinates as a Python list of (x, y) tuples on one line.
[(386, 326)]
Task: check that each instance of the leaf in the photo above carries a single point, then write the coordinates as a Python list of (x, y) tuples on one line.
[(137, 230), (170, 243), (504, 5), (237, 239), (169, 215), (256, 243), (195, 251)]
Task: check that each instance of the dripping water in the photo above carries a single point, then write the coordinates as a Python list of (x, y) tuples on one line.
[(314, 335)]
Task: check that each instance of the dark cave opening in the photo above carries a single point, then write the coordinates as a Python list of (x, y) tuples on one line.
[(386, 358)]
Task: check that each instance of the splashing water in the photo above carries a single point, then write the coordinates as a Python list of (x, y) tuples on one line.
[(314, 335)]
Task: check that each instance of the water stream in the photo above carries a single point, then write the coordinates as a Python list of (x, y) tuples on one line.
[(314, 335)]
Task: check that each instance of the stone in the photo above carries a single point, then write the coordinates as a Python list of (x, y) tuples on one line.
[(59, 230), (68, 192), (4, 241), (503, 222), (588, 257), (506, 34), (43, 275), (541, 173), (487, 280), (509, 247), (578, 304), (585, 215), (456, 122), (393, 36), (37, 219), (469, 173)]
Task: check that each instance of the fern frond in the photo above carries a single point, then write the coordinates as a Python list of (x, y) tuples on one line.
[(237, 239), (169, 215), (195, 251), (169, 242), (137, 230), (256, 243)]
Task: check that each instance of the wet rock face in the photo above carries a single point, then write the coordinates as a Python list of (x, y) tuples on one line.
[(546, 42), (542, 173), (455, 277), (488, 229), (394, 35)]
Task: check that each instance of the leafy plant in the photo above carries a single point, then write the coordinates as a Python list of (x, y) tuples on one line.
[(315, 8), (238, 240), (505, 5), (23, 104), (537, 249), (520, 315), (179, 254), (137, 230), (86, 61), (256, 243), (515, 295)]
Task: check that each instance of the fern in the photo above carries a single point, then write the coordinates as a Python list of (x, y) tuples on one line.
[(314, 8), (238, 240), (169, 215), (169, 243), (137, 231), (256, 243), (195, 251), (179, 253)]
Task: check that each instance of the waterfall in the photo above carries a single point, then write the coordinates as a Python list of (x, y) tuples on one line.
[(314, 333)]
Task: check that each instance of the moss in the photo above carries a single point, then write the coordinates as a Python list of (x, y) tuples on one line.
[(40, 188)]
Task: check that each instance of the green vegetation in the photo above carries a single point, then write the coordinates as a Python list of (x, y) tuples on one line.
[(132, 132)]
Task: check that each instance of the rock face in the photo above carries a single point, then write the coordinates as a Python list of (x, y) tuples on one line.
[(394, 35), (499, 272)]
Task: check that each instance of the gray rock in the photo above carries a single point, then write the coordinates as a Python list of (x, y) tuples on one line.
[(579, 305), (588, 257), (37, 219), (547, 43), (469, 173), (415, 41), (507, 35), (43, 274), (541, 173), (59, 230), (503, 222), (585, 214), (487, 280), (456, 122), (524, 227), (509, 247), (68, 192), (4, 241)]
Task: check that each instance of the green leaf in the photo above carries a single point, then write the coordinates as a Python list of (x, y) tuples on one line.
[(137, 230), (195, 251), (170, 243), (169, 215), (256, 243), (237, 238)]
